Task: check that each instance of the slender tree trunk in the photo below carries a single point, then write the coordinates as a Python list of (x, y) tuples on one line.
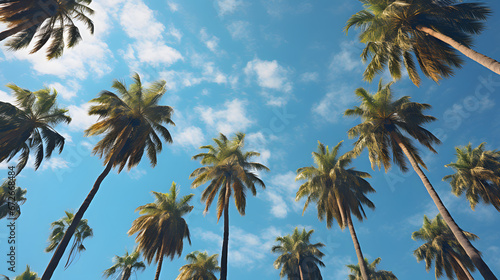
[(78, 216), (225, 241), (361, 260), (300, 272), (459, 235), (464, 269), (126, 274), (342, 215), (486, 61), (160, 262)]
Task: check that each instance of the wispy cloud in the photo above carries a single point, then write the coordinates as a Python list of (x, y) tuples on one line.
[(333, 104), (232, 118), (228, 6)]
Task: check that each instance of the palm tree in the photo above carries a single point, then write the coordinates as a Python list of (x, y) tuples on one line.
[(51, 20), (125, 266), (373, 273), (161, 228), (26, 275), (28, 126), (381, 130), (337, 191), (200, 267), (477, 174), (130, 125), (433, 31), (6, 196), (59, 227), (298, 257), (442, 248), (227, 167)]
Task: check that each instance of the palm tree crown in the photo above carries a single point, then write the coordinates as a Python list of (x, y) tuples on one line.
[(59, 227), (373, 273), (6, 200), (161, 227), (442, 248), (125, 266), (51, 20), (27, 126), (477, 174), (298, 257), (432, 31), (201, 267)]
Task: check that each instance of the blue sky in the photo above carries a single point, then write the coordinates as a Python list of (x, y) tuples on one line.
[(283, 72)]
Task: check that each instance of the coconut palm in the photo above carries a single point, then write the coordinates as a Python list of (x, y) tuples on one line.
[(26, 275), (338, 192), (59, 227), (130, 124), (298, 257), (373, 273), (201, 267), (442, 248), (28, 126), (125, 266), (433, 31), (384, 124), (47, 21), (477, 174), (161, 228), (229, 171), (6, 197)]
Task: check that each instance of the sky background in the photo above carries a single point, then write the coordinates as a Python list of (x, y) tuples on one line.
[(281, 71)]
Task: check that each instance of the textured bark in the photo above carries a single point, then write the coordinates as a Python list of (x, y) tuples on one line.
[(79, 215), (361, 259), (300, 272), (459, 235), (482, 59), (160, 262), (464, 269), (225, 241)]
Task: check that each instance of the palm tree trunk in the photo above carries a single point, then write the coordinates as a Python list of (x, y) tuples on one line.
[(160, 262), (486, 61), (126, 274), (464, 269), (361, 260), (300, 272), (225, 241), (342, 215), (459, 235), (79, 215)]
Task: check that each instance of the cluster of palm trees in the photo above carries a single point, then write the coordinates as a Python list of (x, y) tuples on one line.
[(131, 122)]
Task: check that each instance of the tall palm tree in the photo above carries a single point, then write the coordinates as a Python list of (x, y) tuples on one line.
[(201, 267), (130, 125), (373, 273), (433, 31), (384, 124), (338, 192), (442, 248), (26, 275), (229, 171), (6, 203), (477, 174), (51, 20), (29, 126), (125, 266), (298, 257), (59, 227), (161, 228)]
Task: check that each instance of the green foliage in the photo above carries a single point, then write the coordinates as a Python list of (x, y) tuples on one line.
[(4, 199), (124, 266), (161, 227), (49, 22), (297, 251), (477, 173), (442, 248), (59, 227), (373, 273), (390, 30), (26, 275), (28, 126), (201, 267), (135, 109)]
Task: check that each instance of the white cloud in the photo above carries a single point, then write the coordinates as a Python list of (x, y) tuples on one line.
[(270, 74), (332, 106), (279, 208), (139, 22), (281, 193), (232, 118), (239, 30), (211, 42), (243, 244), (228, 6), (66, 92), (156, 52), (174, 7), (309, 77), (136, 173), (5, 97), (176, 33), (80, 119), (346, 60), (190, 136)]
